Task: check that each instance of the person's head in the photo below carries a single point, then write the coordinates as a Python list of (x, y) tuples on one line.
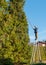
[(35, 26)]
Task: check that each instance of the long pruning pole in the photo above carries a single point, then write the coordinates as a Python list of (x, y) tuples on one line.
[(31, 25)]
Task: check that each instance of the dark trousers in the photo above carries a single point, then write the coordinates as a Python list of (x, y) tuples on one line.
[(36, 35)]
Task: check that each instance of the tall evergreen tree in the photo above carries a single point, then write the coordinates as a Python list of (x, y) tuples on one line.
[(13, 31)]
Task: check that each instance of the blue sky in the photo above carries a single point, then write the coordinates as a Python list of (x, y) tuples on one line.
[(35, 11)]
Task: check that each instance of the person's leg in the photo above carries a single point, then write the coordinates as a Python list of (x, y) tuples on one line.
[(36, 36)]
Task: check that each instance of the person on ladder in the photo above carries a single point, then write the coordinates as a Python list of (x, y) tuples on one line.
[(36, 32)]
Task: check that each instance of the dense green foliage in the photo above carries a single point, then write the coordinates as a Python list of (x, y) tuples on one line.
[(14, 31)]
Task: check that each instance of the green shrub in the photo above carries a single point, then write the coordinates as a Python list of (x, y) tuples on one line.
[(40, 64), (6, 62)]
